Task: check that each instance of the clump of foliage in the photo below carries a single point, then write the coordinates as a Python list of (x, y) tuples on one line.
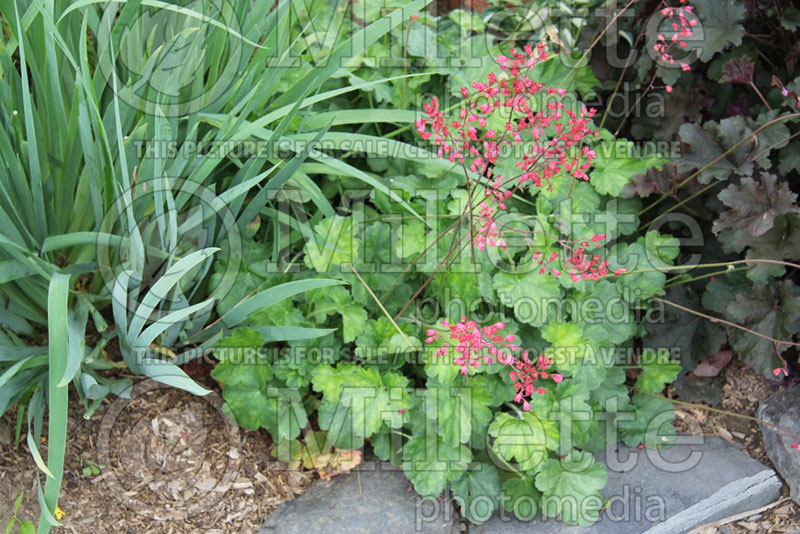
[(442, 409), (124, 185), (396, 228), (734, 173)]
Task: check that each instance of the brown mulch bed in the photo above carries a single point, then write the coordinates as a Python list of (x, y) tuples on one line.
[(742, 391), (170, 464)]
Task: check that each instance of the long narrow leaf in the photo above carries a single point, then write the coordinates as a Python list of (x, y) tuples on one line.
[(25, 363), (154, 330), (172, 375), (163, 286), (271, 296), (37, 190), (352, 48), (290, 333), (76, 332), (57, 326), (12, 270), (37, 456), (169, 7)]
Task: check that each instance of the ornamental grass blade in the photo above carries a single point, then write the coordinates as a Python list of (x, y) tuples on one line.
[(58, 399)]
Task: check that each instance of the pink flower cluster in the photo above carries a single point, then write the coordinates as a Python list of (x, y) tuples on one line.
[(551, 136), (536, 117), (581, 265), (487, 233), (589, 267), (535, 120), (474, 345), (526, 373), (682, 29), (786, 92)]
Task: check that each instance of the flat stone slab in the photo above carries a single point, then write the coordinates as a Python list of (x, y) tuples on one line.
[(372, 500), (696, 481), (783, 409)]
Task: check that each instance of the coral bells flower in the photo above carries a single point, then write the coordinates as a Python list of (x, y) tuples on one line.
[(682, 30), (537, 125), (549, 138), (473, 345), (487, 233), (524, 375), (578, 263), (582, 266)]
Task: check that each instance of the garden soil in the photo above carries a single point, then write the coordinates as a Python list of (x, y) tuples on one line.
[(174, 460)]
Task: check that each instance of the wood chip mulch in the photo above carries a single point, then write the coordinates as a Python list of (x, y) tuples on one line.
[(742, 391), (170, 465)]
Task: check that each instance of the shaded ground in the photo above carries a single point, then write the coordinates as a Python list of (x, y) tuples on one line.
[(742, 391), (171, 465)]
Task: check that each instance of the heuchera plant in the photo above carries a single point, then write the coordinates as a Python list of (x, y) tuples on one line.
[(733, 113), (503, 411), (555, 144), (506, 409), (551, 136)]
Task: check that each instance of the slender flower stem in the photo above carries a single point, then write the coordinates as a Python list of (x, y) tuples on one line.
[(421, 255), (573, 72), (726, 412), (619, 81), (414, 320), (380, 305), (679, 282), (745, 139), (773, 145), (503, 460), (760, 95), (681, 203), (428, 281), (638, 99), (719, 264), (777, 342)]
